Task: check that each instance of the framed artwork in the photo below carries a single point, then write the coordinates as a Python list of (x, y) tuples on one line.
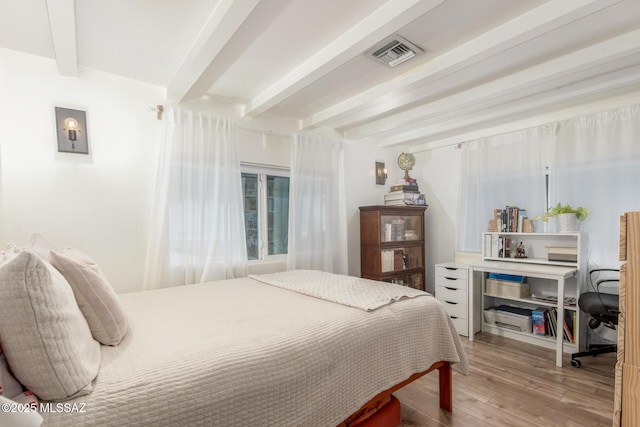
[(71, 128)]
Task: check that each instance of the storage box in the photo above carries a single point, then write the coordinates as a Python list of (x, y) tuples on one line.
[(504, 319), (562, 254), (505, 288)]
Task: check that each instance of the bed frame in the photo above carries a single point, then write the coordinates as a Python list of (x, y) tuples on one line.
[(445, 391)]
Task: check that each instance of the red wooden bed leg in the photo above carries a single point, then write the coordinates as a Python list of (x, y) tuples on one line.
[(446, 390)]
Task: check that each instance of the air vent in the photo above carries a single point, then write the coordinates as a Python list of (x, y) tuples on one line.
[(394, 51)]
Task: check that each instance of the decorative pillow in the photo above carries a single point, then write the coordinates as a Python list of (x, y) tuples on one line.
[(40, 245), (96, 298), (8, 253), (45, 337)]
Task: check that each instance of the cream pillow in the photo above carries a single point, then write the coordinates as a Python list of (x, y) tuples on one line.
[(40, 245), (44, 335), (96, 299)]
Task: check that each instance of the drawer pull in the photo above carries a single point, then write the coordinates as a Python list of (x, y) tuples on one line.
[(451, 268), (454, 317), (451, 278), (451, 289), (450, 302)]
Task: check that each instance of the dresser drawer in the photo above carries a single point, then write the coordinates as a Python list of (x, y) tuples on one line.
[(455, 309), (452, 272), (452, 295), (451, 282), (462, 326)]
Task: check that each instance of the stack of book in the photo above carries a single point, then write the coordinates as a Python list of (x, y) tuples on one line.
[(403, 193)]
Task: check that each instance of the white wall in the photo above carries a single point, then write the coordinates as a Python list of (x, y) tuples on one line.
[(438, 175), (98, 203), (361, 188)]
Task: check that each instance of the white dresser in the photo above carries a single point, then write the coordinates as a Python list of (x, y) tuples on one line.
[(452, 289)]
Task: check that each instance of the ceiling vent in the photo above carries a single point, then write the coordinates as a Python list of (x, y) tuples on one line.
[(394, 51)]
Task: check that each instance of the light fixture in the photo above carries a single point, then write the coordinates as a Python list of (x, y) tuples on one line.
[(381, 173), (71, 131), (71, 126)]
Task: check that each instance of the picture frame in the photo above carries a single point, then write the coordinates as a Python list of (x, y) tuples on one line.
[(71, 130)]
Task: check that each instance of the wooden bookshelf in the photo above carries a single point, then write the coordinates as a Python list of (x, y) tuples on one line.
[(392, 244)]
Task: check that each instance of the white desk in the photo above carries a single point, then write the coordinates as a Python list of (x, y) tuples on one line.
[(541, 271)]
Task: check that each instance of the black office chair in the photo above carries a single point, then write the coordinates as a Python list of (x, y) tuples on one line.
[(603, 308)]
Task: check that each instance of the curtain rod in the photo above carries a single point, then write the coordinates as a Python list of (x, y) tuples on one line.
[(159, 109)]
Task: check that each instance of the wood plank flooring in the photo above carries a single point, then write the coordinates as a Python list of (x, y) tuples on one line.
[(511, 383)]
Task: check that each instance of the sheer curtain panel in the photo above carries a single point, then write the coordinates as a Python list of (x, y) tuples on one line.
[(501, 170), (317, 212), (597, 163), (197, 228)]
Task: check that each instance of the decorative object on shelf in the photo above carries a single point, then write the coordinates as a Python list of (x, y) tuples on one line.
[(71, 127), (520, 251), (405, 191), (381, 173), (568, 217), (406, 161)]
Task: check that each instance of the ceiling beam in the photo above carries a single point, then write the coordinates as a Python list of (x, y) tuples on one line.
[(630, 97), (538, 78), (541, 20), (189, 81), (62, 22), (387, 19), (547, 98)]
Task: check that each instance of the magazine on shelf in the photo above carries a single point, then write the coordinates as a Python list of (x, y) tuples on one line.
[(553, 299)]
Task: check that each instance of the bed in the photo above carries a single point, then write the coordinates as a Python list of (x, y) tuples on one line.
[(246, 352)]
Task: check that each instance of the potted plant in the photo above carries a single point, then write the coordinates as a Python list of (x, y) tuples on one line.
[(568, 217)]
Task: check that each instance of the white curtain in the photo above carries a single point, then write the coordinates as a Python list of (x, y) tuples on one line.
[(501, 170), (317, 213), (597, 159), (197, 228)]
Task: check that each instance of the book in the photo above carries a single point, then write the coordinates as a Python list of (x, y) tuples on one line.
[(398, 259), (398, 195), (538, 321), (399, 202), (408, 188)]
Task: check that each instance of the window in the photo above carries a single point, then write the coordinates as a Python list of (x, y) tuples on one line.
[(265, 193)]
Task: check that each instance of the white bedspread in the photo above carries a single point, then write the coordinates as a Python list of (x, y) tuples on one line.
[(242, 353), (351, 291)]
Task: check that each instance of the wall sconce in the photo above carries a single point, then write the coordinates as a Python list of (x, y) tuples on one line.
[(71, 126), (381, 173)]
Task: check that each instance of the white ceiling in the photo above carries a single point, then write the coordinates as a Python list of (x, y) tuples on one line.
[(485, 62)]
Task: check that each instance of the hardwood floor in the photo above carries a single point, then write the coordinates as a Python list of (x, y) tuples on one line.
[(511, 383)]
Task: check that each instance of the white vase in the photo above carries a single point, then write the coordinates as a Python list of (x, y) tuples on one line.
[(567, 223)]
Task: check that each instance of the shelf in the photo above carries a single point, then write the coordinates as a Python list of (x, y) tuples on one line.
[(549, 278), (531, 301), (392, 236), (543, 340), (403, 272), (514, 233), (533, 261)]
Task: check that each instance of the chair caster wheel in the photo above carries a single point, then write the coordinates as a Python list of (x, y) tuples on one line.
[(575, 363)]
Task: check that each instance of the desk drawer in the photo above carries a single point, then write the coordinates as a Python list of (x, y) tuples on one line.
[(450, 282), (455, 309), (452, 272), (462, 326), (452, 295)]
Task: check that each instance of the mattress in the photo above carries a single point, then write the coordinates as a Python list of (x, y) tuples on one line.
[(243, 353)]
